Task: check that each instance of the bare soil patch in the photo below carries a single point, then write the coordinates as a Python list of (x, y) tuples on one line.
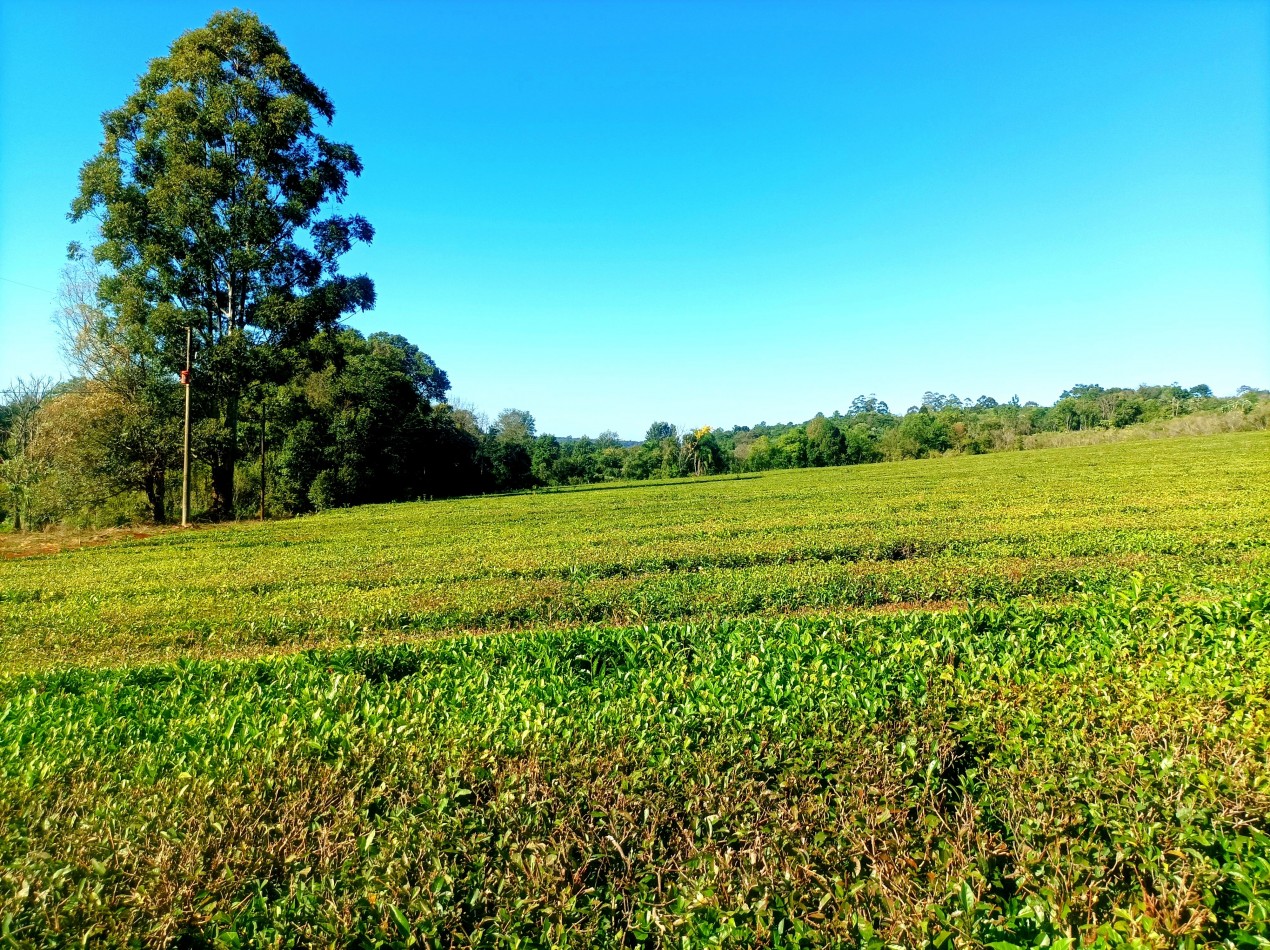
[(35, 543)]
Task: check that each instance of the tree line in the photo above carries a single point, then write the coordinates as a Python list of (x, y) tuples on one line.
[(217, 241), (353, 419)]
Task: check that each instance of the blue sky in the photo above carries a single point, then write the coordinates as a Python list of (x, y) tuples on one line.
[(609, 213)]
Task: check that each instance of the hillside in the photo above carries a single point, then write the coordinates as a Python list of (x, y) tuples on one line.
[(1015, 699), (923, 533)]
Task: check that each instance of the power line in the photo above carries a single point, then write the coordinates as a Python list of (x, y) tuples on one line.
[(43, 290)]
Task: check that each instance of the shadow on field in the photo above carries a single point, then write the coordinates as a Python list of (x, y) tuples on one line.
[(669, 483)]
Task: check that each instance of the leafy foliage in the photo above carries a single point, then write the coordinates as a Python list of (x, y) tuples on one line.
[(355, 419), (23, 463), (208, 190), (1064, 741)]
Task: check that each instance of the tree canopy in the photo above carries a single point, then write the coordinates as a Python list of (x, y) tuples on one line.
[(209, 191)]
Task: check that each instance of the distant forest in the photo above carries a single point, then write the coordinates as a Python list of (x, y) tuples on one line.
[(350, 419)]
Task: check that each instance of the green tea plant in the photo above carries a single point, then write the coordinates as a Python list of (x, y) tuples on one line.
[(1009, 701), (1042, 524)]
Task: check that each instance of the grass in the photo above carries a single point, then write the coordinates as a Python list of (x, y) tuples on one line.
[(1203, 422), (1011, 700)]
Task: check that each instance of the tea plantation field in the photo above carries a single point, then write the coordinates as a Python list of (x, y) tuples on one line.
[(1018, 700)]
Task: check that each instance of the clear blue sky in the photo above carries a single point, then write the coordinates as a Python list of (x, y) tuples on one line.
[(609, 213)]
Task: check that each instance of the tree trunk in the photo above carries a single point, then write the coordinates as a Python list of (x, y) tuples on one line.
[(224, 464), (154, 486), (222, 488)]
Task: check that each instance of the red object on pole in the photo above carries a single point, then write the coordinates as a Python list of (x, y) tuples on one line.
[(185, 377)]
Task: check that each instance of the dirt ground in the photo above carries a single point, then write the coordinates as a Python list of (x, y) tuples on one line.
[(30, 544)]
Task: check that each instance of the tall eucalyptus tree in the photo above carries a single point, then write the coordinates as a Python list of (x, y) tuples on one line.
[(212, 191)]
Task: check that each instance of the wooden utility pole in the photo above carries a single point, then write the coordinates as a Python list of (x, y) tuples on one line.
[(262, 458), (185, 464)]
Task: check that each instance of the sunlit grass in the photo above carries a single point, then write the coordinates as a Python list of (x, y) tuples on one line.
[(1015, 700)]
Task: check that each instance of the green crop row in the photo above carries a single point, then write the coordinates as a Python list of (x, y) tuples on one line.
[(1037, 524), (1013, 775), (1005, 701)]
